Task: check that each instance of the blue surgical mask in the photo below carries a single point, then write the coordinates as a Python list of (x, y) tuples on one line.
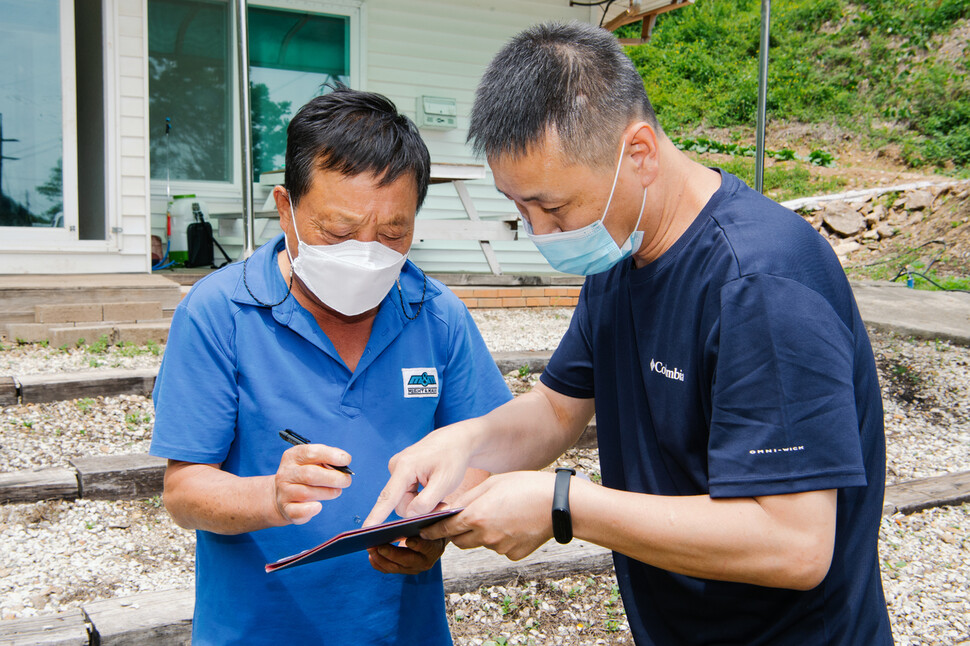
[(591, 249)]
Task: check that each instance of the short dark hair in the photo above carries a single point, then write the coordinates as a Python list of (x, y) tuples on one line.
[(571, 79), (354, 132)]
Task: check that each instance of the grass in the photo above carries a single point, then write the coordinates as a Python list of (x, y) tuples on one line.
[(782, 181), (912, 262)]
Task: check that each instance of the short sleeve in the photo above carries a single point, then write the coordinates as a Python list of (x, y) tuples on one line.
[(472, 384), (570, 370), (195, 395), (783, 416)]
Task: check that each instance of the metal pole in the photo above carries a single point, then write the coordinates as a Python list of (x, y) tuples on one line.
[(759, 168), (245, 126)]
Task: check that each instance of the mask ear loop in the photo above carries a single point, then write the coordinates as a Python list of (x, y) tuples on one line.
[(400, 296), (295, 232), (642, 205), (616, 176), (289, 286)]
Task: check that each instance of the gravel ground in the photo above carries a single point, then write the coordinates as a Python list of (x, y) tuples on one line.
[(57, 555), (35, 359)]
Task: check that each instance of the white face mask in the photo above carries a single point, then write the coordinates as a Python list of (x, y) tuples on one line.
[(351, 277)]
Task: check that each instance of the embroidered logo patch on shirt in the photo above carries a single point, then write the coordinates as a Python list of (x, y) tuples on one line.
[(670, 373), (420, 382)]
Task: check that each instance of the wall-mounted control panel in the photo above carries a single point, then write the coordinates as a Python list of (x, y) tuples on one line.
[(437, 112)]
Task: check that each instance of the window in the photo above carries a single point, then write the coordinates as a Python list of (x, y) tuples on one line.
[(190, 105), (293, 56), (31, 115)]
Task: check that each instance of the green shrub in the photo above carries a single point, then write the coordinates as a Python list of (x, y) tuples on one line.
[(872, 62)]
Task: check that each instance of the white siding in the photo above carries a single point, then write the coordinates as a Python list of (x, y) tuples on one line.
[(128, 98), (441, 48)]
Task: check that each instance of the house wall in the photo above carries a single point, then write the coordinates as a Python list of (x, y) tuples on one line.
[(441, 48), (129, 101)]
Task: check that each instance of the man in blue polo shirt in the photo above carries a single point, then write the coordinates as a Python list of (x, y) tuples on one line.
[(737, 404), (322, 331)]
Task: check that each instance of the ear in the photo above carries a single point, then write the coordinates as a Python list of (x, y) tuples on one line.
[(283, 208), (644, 149)]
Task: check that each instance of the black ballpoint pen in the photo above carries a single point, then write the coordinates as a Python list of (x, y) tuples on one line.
[(296, 439)]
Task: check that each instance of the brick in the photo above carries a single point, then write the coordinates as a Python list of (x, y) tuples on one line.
[(555, 291), (30, 332), (573, 291), (510, 292), (461, 292), (71, 335), (70, 313), (533, 291), (562, 301), (141, 333), (537, 301), (470, 303), (513, 302), (132, 311), (486, 293), (490, 302)]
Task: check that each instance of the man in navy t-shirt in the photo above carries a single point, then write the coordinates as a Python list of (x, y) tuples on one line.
[(738, 409)]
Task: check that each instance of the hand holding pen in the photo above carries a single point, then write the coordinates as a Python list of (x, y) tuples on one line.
[(296, 439), (307, 475)]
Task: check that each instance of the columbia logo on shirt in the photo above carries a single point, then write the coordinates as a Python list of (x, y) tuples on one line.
[(670, 373), (420, 382)]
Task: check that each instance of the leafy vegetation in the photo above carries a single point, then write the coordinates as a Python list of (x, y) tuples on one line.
[(873, 67), (785, 182), (707, 145)]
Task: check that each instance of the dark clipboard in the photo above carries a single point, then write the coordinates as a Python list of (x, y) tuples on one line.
[(355, 540)]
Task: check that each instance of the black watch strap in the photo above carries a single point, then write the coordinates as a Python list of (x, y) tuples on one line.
[(562, 522)]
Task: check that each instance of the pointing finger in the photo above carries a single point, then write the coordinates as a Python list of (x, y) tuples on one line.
[(395, 489)]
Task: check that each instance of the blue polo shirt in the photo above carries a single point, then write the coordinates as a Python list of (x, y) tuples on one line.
[(737, 365), (235, 373)]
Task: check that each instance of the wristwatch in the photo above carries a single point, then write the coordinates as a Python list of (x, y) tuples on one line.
[(562, 522)]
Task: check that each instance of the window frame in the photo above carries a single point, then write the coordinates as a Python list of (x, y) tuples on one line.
[(30, 239)]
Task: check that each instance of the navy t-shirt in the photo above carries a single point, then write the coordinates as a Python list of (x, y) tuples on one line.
[(737, 365)]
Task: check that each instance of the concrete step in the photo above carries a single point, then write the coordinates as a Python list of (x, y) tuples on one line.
[(19, 294), (138, 332)]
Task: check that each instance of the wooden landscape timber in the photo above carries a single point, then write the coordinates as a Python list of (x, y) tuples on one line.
[(38, 484), (119, 477), (63, 629), (917, 495), (468, 570), (149, 618), (35, 389), (9, 391)]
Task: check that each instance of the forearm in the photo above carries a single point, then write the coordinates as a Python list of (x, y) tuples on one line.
[(776, 541), (528, 432), (202, 496)]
